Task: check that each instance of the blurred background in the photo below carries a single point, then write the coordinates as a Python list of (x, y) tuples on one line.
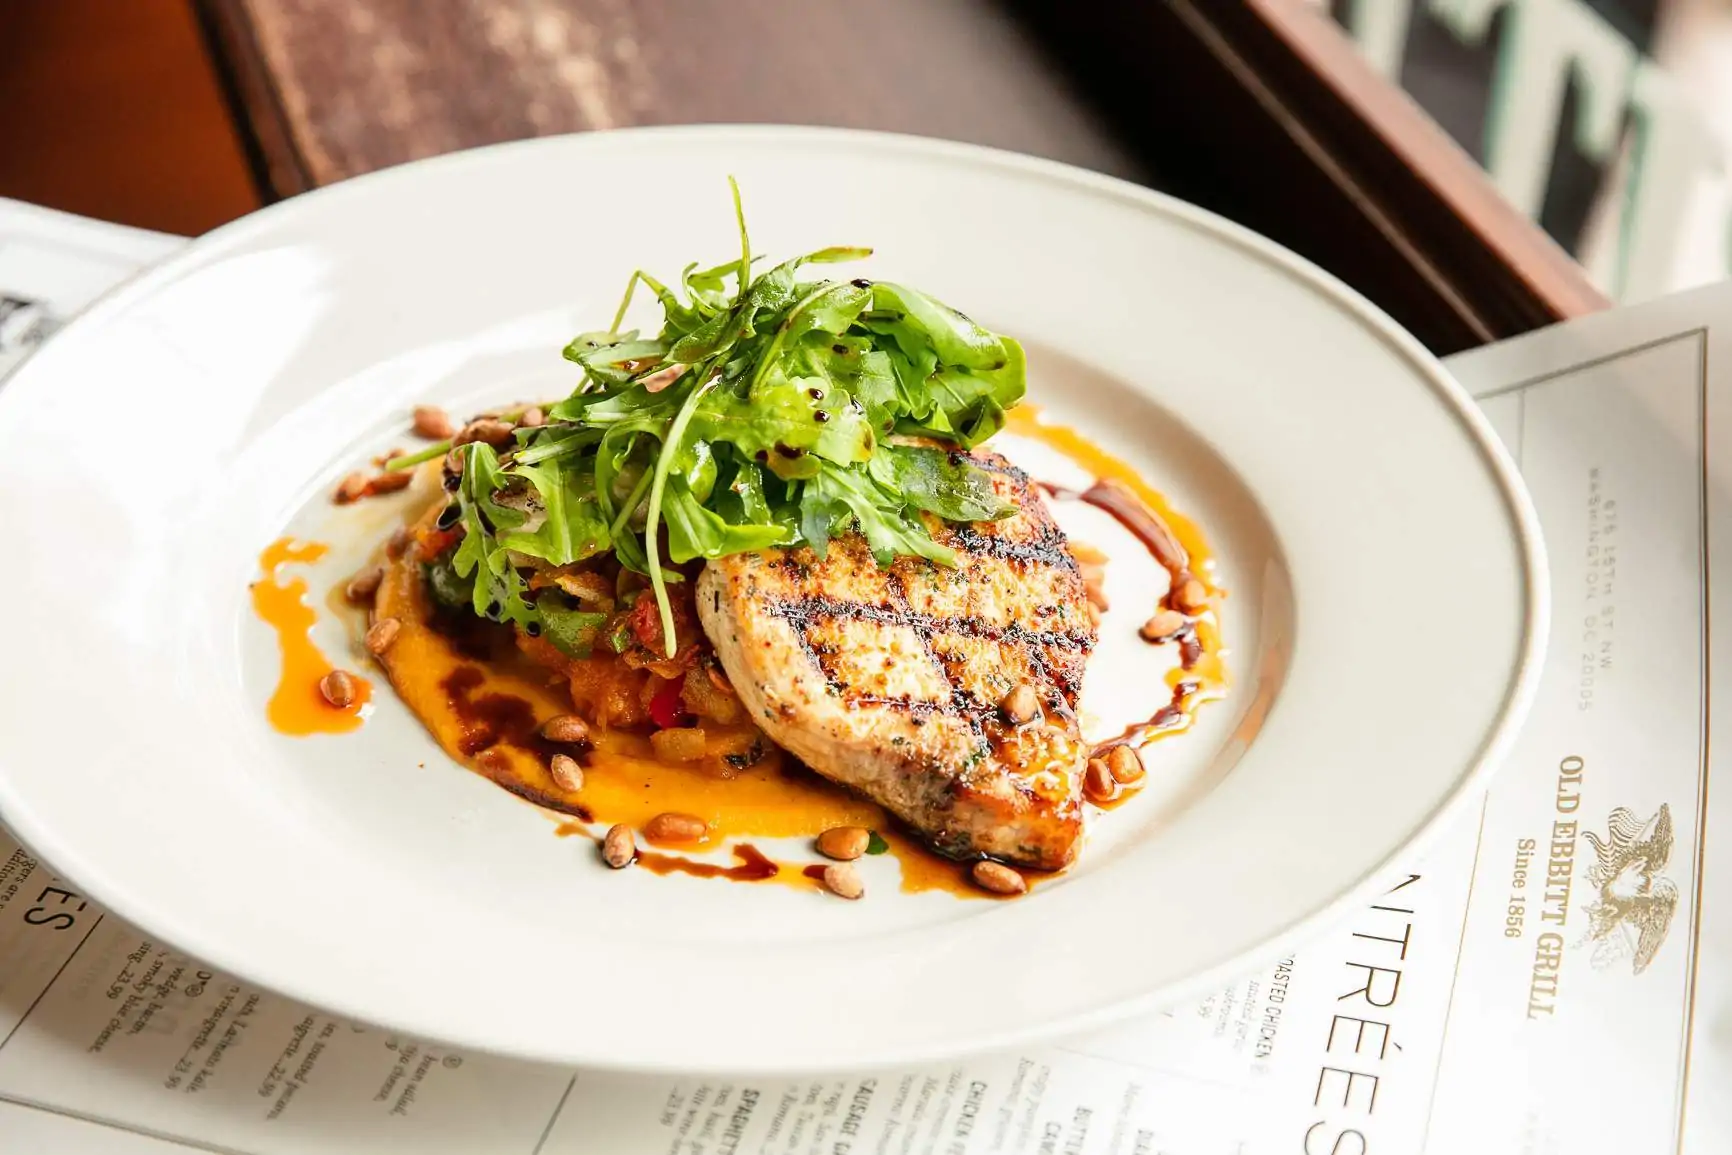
[(1477, 167)]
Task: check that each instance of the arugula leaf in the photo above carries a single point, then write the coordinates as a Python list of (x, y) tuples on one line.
[(831, 313), (778, 420), (615, 361), (773, 433), (695, 531), (677, 317), (572, 527), (696, 467), (410, 461), (561, 441), (742, 497), (703, 342), (498, 588), (938, 482), (706, 288), (837, 492), (823, 515), (956, 378), (954, 338)]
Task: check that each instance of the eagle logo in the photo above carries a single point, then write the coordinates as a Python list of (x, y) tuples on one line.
[(1633, 909)]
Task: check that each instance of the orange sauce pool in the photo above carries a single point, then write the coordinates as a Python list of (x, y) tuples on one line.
[(296, 706), (486, 713)]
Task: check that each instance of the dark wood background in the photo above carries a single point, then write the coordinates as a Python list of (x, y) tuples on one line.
[(341, 87), (1258, 109)]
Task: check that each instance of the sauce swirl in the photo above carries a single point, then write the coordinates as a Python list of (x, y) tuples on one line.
[(1176, 545), (1191, 546)]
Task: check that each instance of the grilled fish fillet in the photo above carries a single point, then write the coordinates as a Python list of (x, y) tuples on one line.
[(890, 681)]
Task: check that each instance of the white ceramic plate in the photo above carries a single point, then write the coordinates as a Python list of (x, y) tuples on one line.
[(1386, 578)]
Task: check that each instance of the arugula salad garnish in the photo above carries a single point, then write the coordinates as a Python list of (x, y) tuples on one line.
[(758, 416)]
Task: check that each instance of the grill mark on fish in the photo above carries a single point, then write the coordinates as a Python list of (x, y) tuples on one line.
[(889, 678), (962, 703), (820, 655), (923, 709), (806, 612), (1069, 684), (802, 615), (1068, 679), (1049, 549)]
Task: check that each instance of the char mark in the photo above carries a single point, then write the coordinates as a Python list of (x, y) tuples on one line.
[(1041, 646), (802, 613), (1047, 549)]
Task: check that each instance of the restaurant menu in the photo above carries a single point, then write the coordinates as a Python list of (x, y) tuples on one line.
[(1552, 977)]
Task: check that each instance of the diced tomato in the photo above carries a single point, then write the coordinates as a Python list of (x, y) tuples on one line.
[(665, 708), (646, 623), (432, 543)]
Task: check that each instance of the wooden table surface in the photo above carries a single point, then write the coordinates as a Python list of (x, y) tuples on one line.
[(334, 88)]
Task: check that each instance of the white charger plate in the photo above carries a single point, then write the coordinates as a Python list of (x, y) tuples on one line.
[(1385, 619)]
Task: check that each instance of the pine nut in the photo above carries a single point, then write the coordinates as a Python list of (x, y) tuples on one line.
[(1190, 596), (566, 772), (533, 418), (1098, 784), (1125, 764), (565, 728), (619, 848), (338, 688), (1162, 626), (998, 878), (493, 432), (432, 423), (673, 826), (1020, 705), (390, 482), (351, 488), (381, 634), (364, 585), (398, 543), (843, 881), (844, 843)]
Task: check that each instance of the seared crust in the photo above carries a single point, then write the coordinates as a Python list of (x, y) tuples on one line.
[(889, 681)]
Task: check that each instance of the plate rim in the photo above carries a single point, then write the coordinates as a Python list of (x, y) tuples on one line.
[(1493, 748)]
